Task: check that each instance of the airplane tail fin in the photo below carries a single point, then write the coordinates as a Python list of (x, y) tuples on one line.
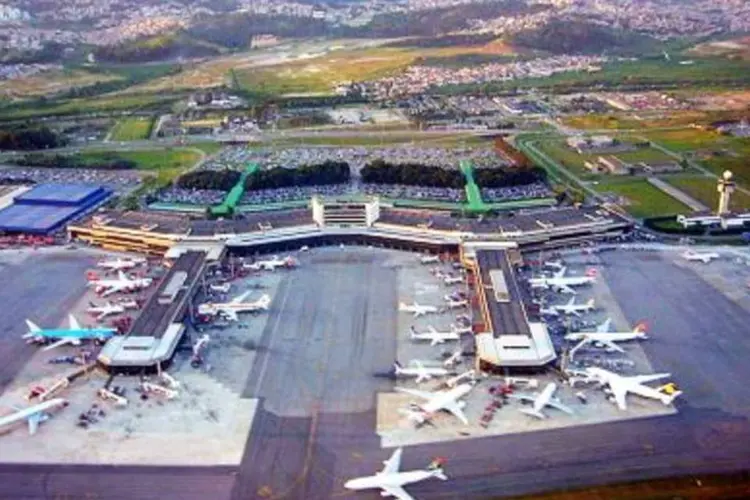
[(264, 301), (668, 399), (397, 366), (33, 329), (533, 413), (590, 303), (438, 473)]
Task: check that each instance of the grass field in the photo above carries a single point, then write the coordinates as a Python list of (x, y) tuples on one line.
[(167, 164), (558, 150), (688, 139), (88, 105), (628, 121), (49, 83), (132, 129), (643, 199), (735, 156), (704, 190)]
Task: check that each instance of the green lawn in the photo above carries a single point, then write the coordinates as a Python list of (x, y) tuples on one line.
[(643, 199), (688, 139), (132, 129), (208, 147), (168, 164), (704, 190)]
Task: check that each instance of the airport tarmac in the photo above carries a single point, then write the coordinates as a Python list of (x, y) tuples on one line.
[(309, 457)]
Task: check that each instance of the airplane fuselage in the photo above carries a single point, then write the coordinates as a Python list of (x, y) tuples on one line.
[(611, 337), (88, 334), (397, 479)]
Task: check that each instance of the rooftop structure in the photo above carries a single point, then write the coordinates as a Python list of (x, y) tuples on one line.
[(510, 340), (47, 207)]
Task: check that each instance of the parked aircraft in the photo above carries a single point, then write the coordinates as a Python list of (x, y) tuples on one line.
[(461, 329), (417, 309), (121, 264), (540, 400), (435, 337), (34, 415), (469, 375), (122, 284), (419, 371), (436, 401), (429, 259), (236, 305), (222, 288), (271, 264), (554, 264), (452, 280), (563, 283), (704, 257), (109, 308), (619, 386), (391, 481), (456, 303), (74, 335), (603, 338), (575, 309), (454, 358)]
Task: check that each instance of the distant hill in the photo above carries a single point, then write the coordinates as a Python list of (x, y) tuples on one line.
[(158, 48), (582, 37)]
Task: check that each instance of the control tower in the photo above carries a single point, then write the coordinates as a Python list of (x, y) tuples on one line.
[(725, 188)]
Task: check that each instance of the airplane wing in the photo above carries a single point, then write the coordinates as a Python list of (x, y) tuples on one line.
[(619, 392), (111, 289), (611, 345), (560, 273), (393, 464), (415, 392), (566, 289), (230, 313), (61, 342), (456, 410), (397, 492), (642, 379), (521, 397), (604, 327), (574, 313), (33, 421), (241, 298), (74, 325)]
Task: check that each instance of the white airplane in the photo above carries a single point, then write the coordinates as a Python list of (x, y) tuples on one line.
[(122, 284), (34, 415), (106, 309), (435, 337), (429, 259), (454, 359), (391, 481), (417, 309), (61, 336), (554, 264), (121, 264), (540, 400), (453, 382), (575, 309), (704, 257), (602, 337), (223, 288), (237, 305), (619, 386), (461, 329), (271, 264), (452, 280), (419, 371), (563, 283), (455, 303), (436, 401)]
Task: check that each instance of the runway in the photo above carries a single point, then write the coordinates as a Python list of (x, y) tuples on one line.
[(329, 330)]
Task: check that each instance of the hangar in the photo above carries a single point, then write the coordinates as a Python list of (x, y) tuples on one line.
[(48, 207)]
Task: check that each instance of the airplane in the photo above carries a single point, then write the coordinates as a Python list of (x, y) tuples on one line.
[(435, 337), (456, 303), (435, 401), (554, 264), (603, 338), (236, 305), (620, 386), (223, 288), (452, 280), (74, 335), (34, 415), (108, 308), (461, 329), (453, 359), (391, 481), (563, 283), (575, 309), (419, 371), (453, 382), (417, 309), (271, 264), (122, 284), (540, 400), (429, 259), (704, 257), (121, 264)]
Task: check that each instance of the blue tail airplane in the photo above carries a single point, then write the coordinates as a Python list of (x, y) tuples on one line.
[(73, 335)]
